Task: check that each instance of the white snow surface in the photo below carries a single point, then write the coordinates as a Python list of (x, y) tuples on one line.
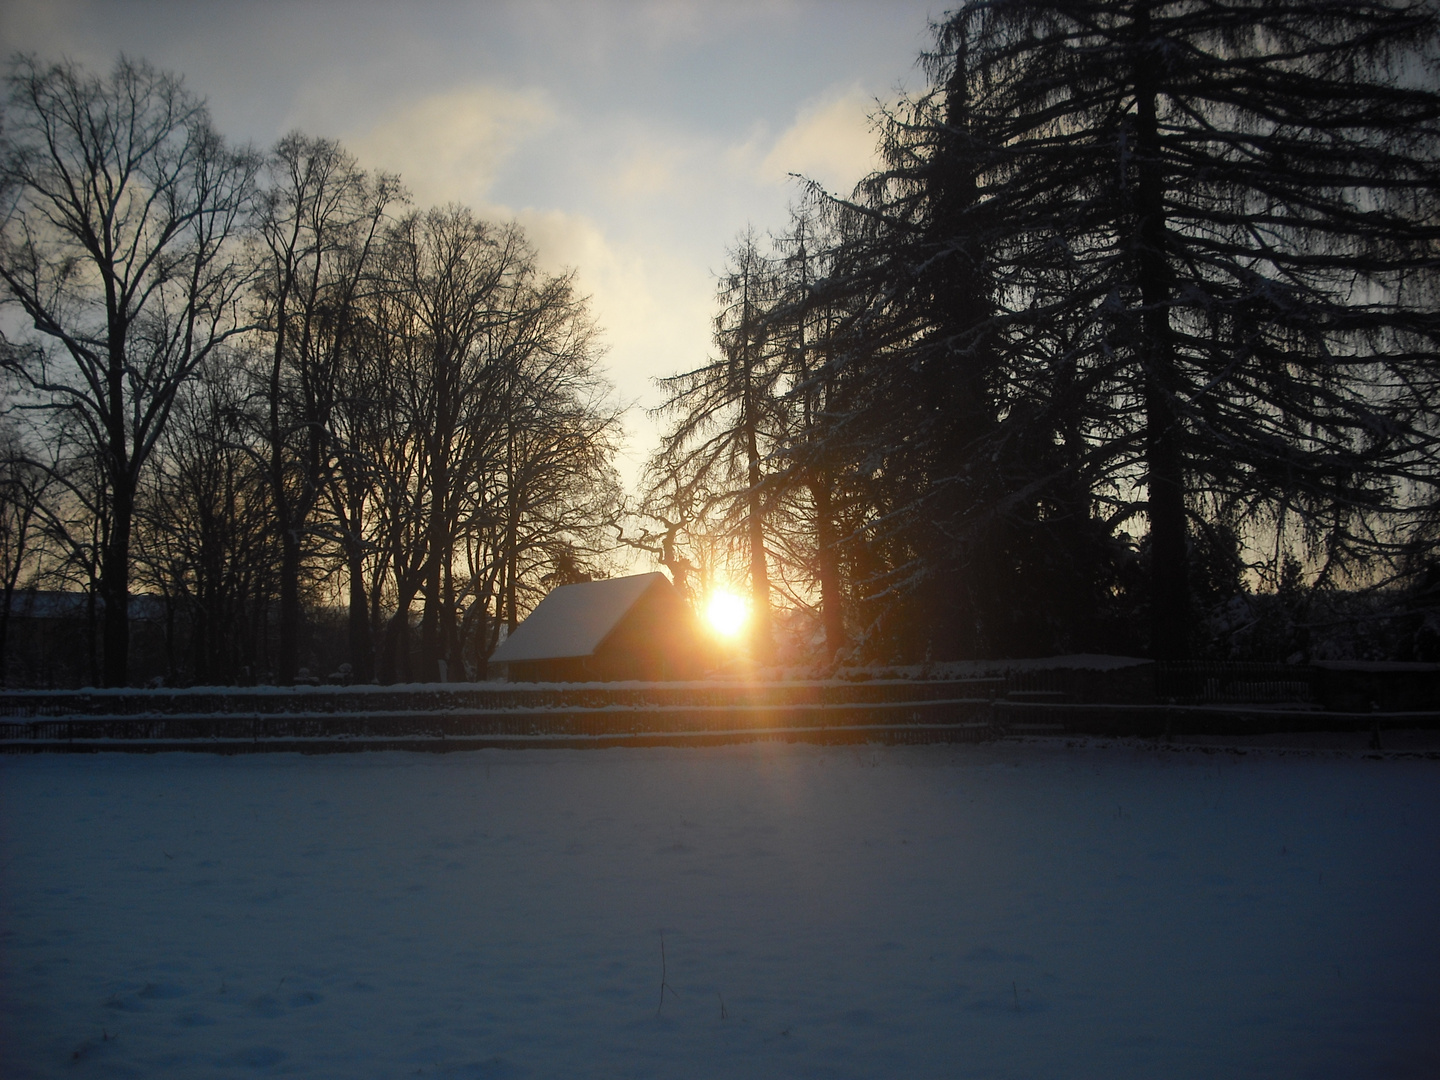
[(1004, 910)]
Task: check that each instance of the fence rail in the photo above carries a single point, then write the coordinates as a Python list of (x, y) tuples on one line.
[(482, 698), (1132, 699), (629, 717), (1209, 683)]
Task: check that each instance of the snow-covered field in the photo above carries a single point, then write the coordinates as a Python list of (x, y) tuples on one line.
[(1007, 910)]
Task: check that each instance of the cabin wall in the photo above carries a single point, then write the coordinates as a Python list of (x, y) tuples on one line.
[(656, 641)]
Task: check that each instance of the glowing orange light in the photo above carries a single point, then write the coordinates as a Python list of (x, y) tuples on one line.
[(726, 613)]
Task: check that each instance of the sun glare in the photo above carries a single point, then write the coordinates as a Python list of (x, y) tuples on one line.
[(726, 613)]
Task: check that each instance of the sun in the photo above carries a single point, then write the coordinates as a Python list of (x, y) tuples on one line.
[(726, 613)]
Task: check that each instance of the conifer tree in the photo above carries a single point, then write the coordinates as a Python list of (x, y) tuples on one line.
[(727, 422), (1147, 260)]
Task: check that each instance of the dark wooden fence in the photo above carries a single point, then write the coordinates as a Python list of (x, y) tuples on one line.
[(1124, 698), (440, 718), (1235, 683)]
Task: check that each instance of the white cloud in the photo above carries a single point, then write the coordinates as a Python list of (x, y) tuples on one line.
[(644, 209), (831, 141), (633, 139), (652, 305), (651, 169), (662, 205), (449, 146)]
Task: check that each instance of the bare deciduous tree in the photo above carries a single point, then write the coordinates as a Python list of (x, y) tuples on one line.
[(118, 247), (320, 219)]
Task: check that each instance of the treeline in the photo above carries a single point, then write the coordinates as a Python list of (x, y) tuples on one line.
[(1134, 327), (255, 384)]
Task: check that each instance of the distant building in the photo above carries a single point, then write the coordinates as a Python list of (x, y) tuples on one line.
[(636, 627), (54, 606), (54, 638)]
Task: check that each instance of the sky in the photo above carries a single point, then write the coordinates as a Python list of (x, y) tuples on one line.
[(633, 141)]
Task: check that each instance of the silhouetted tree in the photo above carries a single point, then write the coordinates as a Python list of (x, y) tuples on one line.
[(119, 252), (208, 533), (553, 492), (320, 217), (801, 324), (972, 518), (499, 442), (728, 418), (23, 487), (1148, 258)]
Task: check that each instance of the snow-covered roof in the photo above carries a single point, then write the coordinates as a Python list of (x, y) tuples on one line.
[(574, 619)]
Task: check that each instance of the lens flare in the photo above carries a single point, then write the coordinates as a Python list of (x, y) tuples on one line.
[(726, 613)]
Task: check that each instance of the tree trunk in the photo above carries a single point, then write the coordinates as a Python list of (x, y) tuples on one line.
[(200, 636), (1165, 466), (4, 630), (397, 635), (288, 660), (92, 664), (10, 581), (430, 627), (512, 607), (5, 627), (289, 539), (115, 588), (827, 558), (763, 641), (449, 632), (430, 619), (376, 628), (362, 659), (171, 671)]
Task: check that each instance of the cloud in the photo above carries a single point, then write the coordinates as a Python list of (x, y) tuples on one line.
[(448, 147), (653, 169), (653, 307), (586, 33), (831, 141)]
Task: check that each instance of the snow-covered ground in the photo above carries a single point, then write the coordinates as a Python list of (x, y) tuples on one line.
[(1005, 910)]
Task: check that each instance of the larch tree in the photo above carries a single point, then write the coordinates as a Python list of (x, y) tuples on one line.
[(804, 478), (727, 420), (943, 437), (1187, 249)]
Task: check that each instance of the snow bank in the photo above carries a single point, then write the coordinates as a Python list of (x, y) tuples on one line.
[(1015, 911)]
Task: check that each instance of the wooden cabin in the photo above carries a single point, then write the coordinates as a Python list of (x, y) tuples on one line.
[(636, 627)]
